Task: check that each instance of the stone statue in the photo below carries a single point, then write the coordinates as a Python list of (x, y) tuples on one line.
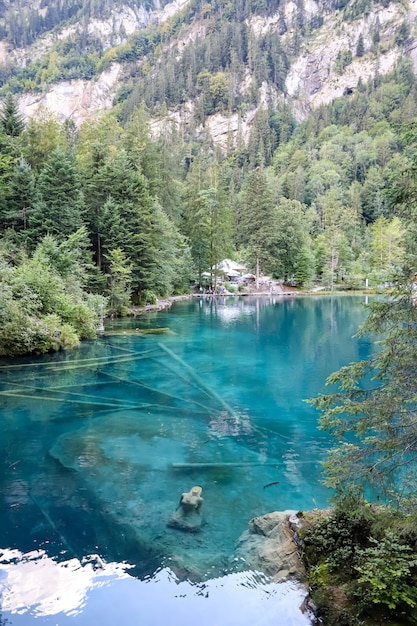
[(187, 515)]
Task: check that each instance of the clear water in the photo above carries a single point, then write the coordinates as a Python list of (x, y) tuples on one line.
[(98, 444)]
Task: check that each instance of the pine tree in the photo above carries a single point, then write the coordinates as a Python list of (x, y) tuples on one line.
[(119, 282), (286, 238), (6, 168), (207, 215), (304, 270), (129, 218)]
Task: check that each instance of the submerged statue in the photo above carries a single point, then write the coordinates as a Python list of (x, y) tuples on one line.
[(187, 515)]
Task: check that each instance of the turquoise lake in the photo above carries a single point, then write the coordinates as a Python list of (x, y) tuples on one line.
[(98, 444)]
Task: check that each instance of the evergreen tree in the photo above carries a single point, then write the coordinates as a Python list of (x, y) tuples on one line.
[(304, 266), (119, 282), (41, 136), (129, 218), (59, 207), (11, 121), (360, 46), (285, 240), (387, 248), (208, 217), (108, 235), (21, 198), (193, 226), (256, 219), (373, 413), (6, 169)]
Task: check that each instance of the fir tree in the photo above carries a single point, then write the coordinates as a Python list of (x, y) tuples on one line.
[(11, 121), (360, 47), (22, 197), (255, 218), (59, 207)]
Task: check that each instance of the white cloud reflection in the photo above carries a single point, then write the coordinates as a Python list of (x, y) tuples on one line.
[(35, 581), (36, 589)]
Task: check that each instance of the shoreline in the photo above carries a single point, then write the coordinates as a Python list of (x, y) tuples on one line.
[(166, 303)]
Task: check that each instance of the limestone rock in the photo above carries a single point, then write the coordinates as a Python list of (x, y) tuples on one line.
[(76, 99), (268, 546), (313, 78)]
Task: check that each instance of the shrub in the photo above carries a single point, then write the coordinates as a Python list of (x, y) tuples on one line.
[(362, 563), (148, 297), (385, 570)]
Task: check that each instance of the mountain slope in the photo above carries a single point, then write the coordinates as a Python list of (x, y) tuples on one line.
[(206, 68)]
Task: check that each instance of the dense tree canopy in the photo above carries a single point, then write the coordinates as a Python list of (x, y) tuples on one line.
[(300, 203)]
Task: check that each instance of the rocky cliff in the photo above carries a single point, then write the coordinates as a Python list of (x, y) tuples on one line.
[(345, 46)]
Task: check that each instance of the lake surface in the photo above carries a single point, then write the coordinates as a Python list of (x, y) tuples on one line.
[(98, 444)]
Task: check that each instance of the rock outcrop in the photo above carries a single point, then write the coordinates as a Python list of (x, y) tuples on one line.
[(269, 546), (315, 75), (77, 99)]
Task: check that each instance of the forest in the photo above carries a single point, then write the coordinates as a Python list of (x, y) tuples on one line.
[(137, 217), (98, 218)]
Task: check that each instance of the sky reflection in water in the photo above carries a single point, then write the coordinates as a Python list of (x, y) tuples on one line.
[(99, 443), (38, 589)]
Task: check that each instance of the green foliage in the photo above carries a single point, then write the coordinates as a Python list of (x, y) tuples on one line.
[(119, 279), (288, 236), (304, 270), (332, 540), (208, 219), (58, 210), (256, 218), (148, 297), (385, 570), (362, 570), (402, 34), (21, 199), (356, 8), (343, 59), (372, 414), (41, 309), (11, 122), (360, 46)]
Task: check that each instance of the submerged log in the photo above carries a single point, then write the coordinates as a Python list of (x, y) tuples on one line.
[(209, 465), (211, 393), (136, 331)]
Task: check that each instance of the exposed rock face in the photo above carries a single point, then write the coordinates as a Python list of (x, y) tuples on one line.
[(313, 78), (75, 99), (268, 546), (123, 21), (170, 9)]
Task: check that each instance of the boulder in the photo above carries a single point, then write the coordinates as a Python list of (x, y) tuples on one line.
[(269, 546)]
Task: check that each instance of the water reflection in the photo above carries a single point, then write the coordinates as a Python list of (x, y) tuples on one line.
[(98, 444), (230, 309), (36, 584), (37, 588)]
